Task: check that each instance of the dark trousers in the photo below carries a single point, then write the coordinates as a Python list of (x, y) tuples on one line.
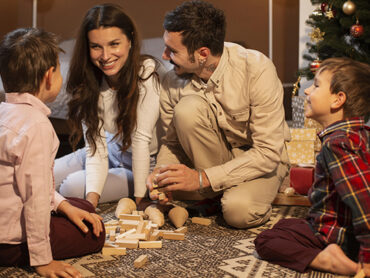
[(66, 240), (290, 243)]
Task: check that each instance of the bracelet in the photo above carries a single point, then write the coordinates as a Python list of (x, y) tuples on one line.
[(200, 180)]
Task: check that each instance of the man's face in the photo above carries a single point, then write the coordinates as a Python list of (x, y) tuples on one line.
[(177, 54)]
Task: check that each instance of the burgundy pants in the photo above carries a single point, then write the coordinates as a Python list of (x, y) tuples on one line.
[(66, 240), (290, 243)]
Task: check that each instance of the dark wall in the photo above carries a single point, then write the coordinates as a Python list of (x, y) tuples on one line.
[(247, 22)]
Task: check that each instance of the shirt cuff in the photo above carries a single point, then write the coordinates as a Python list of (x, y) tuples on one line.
[(40, 254), (57, 200), (216, 176)]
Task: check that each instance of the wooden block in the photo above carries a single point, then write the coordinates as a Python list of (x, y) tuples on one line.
[(154, 236), (107, 251), (141, 236), (128, 243), (139, 262), (111, 222), (112, 235), (140, 227), (174, 236), (161, 196), (150, 244), (161, 232), (181, 230), (132, 231), (360, 274), (135, 212), (110, 228), (129, 224), (110, 244), (125, 216), (201, 221)]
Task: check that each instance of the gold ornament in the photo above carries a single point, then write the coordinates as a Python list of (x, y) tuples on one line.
[(316, 35), (296, 87), (349, 7), (329, 14)]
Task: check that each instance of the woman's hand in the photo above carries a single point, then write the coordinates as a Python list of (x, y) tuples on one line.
[(77, 216), (57, 269)]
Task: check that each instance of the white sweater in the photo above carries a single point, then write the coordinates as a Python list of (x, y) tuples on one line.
[(144, 137)]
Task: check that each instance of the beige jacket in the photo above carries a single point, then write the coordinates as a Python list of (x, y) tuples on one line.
[(246, 96)]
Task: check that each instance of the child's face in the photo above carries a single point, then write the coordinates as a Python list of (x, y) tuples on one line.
[(319, 98), (109, 49)]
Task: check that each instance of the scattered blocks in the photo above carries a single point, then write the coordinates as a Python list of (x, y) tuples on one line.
[(150, 244), (201, 221), (140, 261), (181, 230), (107, 251), (173, 236)]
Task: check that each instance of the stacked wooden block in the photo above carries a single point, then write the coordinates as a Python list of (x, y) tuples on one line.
[(133, 231)]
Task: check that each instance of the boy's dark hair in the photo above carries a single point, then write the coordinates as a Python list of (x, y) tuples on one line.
[(353, 78), (25, 56), (200, 24)]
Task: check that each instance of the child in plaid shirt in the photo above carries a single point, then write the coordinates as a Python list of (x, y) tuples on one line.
[(335, 235)]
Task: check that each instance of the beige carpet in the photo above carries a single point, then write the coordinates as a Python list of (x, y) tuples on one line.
[(207, 251)]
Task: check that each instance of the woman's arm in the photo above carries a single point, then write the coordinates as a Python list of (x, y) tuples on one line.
[(147, 119)]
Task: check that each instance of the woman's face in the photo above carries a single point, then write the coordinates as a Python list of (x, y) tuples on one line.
[(109, 49)]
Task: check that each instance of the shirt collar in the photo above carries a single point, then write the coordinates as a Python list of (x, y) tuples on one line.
[(354, 123), (217, 74), (26, 98)]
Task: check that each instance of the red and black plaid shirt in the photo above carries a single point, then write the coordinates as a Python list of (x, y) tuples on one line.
[(340, 195)]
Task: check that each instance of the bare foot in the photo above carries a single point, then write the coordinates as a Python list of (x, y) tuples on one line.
[(332, 259)]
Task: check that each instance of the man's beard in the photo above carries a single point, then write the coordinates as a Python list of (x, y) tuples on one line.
[(184, 75)]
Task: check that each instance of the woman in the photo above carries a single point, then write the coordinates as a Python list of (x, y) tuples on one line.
[(115, 104)]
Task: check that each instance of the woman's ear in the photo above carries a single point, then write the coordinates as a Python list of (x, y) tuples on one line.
[(339, 100)]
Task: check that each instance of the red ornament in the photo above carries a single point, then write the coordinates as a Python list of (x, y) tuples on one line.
[(324, 7), (315, 64), (357, 30)]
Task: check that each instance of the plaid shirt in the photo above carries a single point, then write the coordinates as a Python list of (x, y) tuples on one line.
[(340, 195)]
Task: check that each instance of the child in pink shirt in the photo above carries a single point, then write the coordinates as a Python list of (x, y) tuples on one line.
[(37, 225)]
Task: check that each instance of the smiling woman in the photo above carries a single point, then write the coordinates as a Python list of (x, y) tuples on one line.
[(115, 106)]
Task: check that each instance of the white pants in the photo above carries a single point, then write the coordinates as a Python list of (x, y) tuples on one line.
[(69, 176)]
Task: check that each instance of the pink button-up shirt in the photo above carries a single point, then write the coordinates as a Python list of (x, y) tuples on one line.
[(28, 145)]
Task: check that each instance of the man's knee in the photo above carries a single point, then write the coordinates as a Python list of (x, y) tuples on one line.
[(244, 213), (190, 111)]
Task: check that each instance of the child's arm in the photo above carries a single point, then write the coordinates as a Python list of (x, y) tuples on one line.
[(348, 162), (76, 216)]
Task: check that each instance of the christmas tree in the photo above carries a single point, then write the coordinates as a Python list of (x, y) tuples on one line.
[(340, 28)]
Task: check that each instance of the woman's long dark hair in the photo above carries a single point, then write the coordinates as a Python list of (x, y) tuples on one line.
[(84, 79)]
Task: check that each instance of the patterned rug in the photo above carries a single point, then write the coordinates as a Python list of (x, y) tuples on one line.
[(207, 251)]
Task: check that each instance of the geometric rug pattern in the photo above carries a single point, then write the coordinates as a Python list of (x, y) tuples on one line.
[(207, 251)]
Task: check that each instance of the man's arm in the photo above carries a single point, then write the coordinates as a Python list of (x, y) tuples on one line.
[(267, 126)]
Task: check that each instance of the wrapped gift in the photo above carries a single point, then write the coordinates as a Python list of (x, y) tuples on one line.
[(301, 179), (298, 111), (301, 147), (309, 123)]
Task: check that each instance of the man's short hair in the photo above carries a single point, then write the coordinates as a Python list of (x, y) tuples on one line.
[(353, 78), (25, 56), (200, 24)]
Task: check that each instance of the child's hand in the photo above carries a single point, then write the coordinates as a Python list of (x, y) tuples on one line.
[(57, 269), (77, 216)]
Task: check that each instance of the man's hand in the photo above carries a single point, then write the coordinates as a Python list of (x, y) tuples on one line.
[(76, 216), (57, 269)]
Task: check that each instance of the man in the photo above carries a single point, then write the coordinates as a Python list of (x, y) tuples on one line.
[(222, 107)]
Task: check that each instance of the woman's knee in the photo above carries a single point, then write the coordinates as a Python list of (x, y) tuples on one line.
[(74, 185)]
